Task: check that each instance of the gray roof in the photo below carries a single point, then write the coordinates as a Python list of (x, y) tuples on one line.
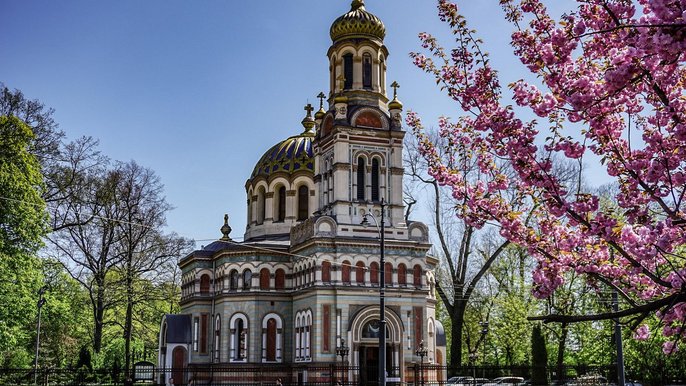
[(178, 328), (440, 334)]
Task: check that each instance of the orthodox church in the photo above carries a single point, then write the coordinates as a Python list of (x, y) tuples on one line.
[(303, 288)]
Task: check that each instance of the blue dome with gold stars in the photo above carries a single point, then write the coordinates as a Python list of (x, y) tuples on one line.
[(289, 156)]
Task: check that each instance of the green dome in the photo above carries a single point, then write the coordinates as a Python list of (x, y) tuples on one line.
[(357, 23), (290, 155)]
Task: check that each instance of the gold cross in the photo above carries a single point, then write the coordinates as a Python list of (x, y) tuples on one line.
[(309, 109), (395, 86)]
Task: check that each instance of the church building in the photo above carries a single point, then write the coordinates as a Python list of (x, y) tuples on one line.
[(301, 291)]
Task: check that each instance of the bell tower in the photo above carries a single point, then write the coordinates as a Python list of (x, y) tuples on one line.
[(359, 141), (357, 57)]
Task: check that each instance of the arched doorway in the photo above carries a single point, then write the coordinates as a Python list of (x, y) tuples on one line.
[(178, 374), (365, 330)]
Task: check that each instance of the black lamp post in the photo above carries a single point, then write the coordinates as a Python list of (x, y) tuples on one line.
[(472, 359), (342, 351), (41, 302), (421, 353), (382, 289), (484, 331)]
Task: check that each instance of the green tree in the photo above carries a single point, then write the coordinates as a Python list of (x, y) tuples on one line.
[(22, 224)]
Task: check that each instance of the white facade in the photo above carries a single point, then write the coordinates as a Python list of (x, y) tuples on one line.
[(306, 276)]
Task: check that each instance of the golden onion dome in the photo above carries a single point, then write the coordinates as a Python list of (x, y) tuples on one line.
[(357, 23), (395, 104), (320, 114)]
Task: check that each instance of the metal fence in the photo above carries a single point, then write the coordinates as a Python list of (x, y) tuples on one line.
[(288, 374)]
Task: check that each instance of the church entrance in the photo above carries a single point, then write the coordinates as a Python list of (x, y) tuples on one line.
[(178, 373), (369, 364)]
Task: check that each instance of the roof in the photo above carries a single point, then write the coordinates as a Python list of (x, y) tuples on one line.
[(440, 334), (290, 155), (357, 23), (178, 328)]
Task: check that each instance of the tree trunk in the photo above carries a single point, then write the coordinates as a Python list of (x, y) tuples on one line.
[(99, 318), (457, 327), (561, 343)]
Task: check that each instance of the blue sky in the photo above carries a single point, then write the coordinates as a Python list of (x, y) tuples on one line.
[(198, 90)]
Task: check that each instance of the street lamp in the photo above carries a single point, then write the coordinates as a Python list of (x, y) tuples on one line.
[(382, 288), (421, 353), (342, 351), (484, 331), (41, 302)]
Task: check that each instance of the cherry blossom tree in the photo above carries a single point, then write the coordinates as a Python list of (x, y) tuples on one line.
[(609, 88)]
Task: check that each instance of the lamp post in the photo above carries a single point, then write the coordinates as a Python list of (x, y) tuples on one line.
[(472, 359), (484, 331), (342, 351), (382, 289), (421, 353), (41, 302)]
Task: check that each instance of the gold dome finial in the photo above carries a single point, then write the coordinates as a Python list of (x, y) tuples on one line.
[(226, 229), (321, 112), (357, 4), (308, 121), (395, 103)]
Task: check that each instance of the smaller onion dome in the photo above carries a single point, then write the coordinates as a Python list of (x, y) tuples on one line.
[(395, 104), (357, 23)]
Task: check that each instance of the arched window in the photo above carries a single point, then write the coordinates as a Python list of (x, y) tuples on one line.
[(247, 279), (303, 338), (303, 201), (233, 280), (402, 274), (280, 279), (367, 71), (238, 342), (417, 273), (388, 274), (359, 272), (281, 204), (308, 336), (261, 207), (326, 272), (348, 71), (432, 340), (345, 272), (271, 340), (360, 178), (217, 337), (264, 279), (272, 330), (372, 328), (374, 272), (375, 179), (205, 284)]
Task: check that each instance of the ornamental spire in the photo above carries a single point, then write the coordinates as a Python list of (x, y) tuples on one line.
[(226, 229), (319, 115), (308, 121), (357, 4)]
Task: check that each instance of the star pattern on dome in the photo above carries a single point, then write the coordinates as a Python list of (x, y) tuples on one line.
[(289, 156)]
